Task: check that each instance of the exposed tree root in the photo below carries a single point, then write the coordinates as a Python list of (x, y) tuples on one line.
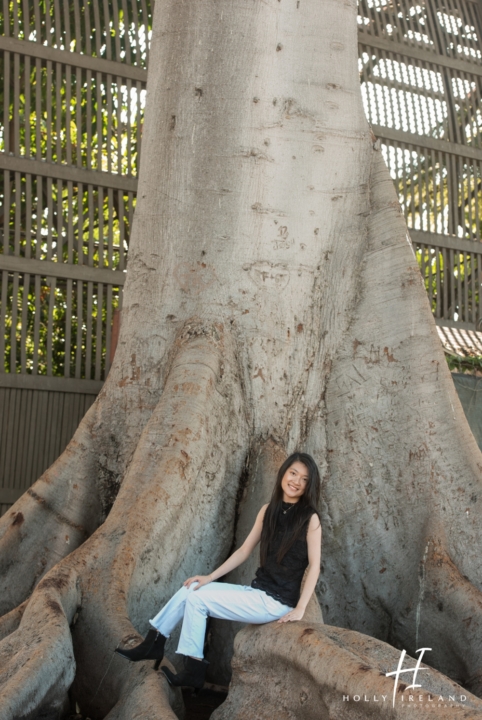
[(148, 696), (37, 661), (56, 515), (10, 622), (304, 670), (398, 445), (448, 618), (182, 478)]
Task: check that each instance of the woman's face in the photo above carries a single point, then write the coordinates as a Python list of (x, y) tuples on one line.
[(294, 482)]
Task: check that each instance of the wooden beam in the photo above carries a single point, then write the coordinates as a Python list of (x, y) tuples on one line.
[(410, 51), (60, 171), (47, 268), (424, 141), (50, 384), (419, 237), (74, 59)]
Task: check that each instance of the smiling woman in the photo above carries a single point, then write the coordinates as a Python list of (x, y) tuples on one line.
[(289, 530), (294, 482)]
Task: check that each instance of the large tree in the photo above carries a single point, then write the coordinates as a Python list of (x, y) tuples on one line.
[(272, 302)]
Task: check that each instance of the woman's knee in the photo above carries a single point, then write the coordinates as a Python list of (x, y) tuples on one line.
[(180, 595), (185, 592), (194, 598)]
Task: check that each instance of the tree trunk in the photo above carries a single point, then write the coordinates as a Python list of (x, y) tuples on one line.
[(273, 302)]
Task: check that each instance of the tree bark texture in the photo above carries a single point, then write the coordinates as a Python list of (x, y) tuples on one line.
[(273, 302), (314, 671)]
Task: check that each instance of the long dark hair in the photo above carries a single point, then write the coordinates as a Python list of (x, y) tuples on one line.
[(298, 516)]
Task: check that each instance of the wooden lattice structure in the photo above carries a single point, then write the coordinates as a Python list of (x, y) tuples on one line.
[(74, 76), (421, 74)]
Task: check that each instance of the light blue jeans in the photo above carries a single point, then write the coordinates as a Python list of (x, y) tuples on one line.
[(226, 601)]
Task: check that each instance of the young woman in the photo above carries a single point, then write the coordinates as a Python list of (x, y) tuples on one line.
[(289, 529)]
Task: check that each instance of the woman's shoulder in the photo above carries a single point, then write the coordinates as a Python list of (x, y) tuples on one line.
[(314, 518), (311, 516), (309, 511)]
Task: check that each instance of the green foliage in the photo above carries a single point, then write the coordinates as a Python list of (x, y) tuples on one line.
[(439, 192), (79, 118), (43, 349), (117, 31), (68, 225), (471, 364), (451, 277)]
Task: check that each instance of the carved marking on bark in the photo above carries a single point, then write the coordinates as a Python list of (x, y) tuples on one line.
[(283, 241), (255, 153), (356, 344), (291, 108), (257, 207), (267, 275), (389, 355), (259, 374)]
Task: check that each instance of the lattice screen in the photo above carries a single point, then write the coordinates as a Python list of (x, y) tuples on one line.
[(70, 129), (421, 75)]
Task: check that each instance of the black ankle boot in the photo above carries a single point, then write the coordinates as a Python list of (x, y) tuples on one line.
[(192, 676), (151, 648)]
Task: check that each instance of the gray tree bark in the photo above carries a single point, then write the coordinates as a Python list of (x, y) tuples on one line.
[(272, 302)]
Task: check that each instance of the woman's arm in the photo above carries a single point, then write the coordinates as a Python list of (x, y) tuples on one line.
[(313, 539), (238, 557)]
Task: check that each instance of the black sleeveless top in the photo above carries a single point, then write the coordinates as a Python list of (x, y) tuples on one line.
[(283, 580)]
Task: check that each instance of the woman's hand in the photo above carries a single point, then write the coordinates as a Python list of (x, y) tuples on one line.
[(295, 614), (201, 579)]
